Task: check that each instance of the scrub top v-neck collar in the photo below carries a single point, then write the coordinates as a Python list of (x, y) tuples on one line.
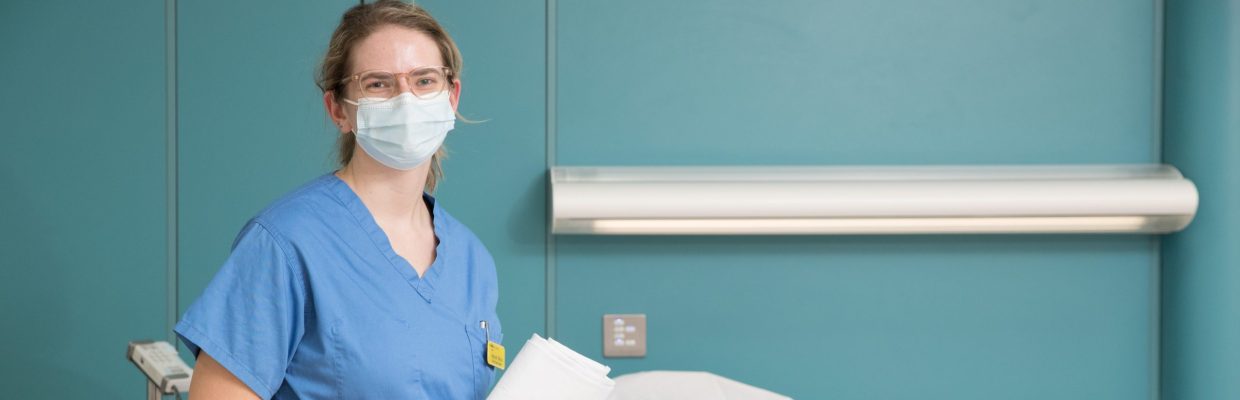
[(424, 285)]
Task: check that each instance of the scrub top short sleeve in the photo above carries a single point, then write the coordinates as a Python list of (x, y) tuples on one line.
[(250, 317)]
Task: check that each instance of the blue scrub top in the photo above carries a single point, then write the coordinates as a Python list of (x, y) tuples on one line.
[(313, 303)]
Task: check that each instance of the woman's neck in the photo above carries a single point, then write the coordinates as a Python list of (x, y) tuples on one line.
[(394, 197)]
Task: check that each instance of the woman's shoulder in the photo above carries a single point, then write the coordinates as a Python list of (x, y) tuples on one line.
[(458, 233), (308, 206), (445, 223), (465, 247)]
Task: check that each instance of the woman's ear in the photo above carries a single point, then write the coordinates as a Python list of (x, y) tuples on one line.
[(455, 97), (337, 113)]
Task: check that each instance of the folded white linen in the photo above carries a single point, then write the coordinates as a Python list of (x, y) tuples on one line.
[(547, 370)]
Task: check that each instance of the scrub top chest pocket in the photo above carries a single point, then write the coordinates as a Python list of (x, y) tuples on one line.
[(374, 356), (478, 334), (388, 358)]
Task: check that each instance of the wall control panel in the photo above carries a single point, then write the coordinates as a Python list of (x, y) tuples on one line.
[(624, 335)]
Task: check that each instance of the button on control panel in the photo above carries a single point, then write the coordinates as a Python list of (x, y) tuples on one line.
[(624, 335)]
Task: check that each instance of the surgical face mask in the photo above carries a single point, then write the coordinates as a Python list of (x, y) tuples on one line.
[(404, 131)]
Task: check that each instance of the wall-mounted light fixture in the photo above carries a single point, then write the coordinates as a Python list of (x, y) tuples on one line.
[(870, 200)]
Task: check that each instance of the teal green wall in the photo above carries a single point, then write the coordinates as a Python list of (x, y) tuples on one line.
[(250, 124), (1201, 311), (84, 243), (869, 318), (854, 82), (83, 213), (895, 82)]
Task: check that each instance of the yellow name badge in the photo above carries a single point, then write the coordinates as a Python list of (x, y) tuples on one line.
[(495, 354)]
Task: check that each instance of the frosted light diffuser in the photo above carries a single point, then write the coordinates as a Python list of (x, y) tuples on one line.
[(870, 200)]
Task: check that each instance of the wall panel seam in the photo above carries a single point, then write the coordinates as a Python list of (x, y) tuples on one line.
[(550, 106), (1156, 128), (171, 179)]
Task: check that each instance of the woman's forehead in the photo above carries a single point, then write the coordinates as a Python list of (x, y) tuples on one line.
[(394, 48)]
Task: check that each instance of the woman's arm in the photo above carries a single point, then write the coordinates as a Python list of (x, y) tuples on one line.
[(212, 381)]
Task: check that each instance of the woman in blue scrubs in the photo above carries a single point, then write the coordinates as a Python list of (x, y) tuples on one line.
[(359, 284)]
